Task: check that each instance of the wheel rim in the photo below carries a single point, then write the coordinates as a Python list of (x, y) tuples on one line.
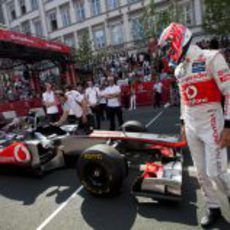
[(96, 176)]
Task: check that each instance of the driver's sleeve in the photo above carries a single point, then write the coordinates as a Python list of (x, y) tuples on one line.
[(221, 73)]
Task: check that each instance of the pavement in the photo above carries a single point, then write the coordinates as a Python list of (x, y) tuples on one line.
[(58, 201)]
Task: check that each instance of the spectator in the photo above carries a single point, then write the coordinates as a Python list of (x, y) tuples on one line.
[(92, 96), (103, 102), (50, 102), (132, 104), (112, 94), (157, 89), (72, 95)]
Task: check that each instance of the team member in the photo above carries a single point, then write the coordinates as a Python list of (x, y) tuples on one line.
[(50, 102), (80, 109), (92, 95), (103, 102), (112, 94), (132, 102), (203, 77), (157, 88), (73, 95)]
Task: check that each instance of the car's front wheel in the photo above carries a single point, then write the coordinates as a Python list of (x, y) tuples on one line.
[(101, 170)]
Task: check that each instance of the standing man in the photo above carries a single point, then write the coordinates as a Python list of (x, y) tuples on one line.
[(74, 96), (92, 96), (157, 88), (112, 94), (203, 77), (50, 103)]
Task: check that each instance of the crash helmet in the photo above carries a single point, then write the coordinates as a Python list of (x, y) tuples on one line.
[(174, 42)]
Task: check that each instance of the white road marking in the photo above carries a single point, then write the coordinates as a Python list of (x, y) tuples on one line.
[(154, 119), (158, 115), (47, 220)]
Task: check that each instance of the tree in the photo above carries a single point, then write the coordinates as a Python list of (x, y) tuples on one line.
[(216, 17), (84, 54), (88, 60)]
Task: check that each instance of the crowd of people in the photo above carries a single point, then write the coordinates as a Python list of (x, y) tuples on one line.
[(87, 106)]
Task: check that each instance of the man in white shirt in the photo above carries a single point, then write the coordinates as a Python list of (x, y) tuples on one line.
[(75, 96), (112, 94), (103, 102), (92, 96), (78, 107), (50, 103), (157, 88)]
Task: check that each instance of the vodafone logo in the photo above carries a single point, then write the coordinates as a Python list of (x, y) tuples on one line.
[(21, 154), (191, 92)]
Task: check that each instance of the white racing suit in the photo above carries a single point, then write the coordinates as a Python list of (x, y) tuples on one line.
[(204, 79)]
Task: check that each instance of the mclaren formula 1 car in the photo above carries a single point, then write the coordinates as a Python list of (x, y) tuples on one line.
[(102, 158)]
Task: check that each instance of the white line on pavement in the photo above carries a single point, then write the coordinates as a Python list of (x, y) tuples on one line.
[(158, 115), (47, 220), (155, 118)]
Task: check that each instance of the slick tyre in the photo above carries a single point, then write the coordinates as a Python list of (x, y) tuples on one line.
[(101, 170), (133, 127)]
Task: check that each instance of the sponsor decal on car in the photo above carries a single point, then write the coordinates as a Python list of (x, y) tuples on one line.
[(92, 156), (21, 154)]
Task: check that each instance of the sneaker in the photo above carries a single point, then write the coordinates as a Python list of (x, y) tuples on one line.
[(212, 216)]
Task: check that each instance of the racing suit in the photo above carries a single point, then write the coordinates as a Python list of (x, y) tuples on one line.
[(204, 79)]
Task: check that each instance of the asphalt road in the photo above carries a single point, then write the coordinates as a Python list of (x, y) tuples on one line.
[(58, 201)]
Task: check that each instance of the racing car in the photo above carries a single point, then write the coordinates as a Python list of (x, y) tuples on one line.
[(103, 158)]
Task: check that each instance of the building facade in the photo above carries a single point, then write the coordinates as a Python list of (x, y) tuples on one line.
[(1, 14), (108, 22)]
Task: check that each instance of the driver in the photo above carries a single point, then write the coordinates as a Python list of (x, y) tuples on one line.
[(203, 77)]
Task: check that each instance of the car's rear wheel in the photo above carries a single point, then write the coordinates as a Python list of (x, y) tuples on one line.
[(133, 127), (101, 170)]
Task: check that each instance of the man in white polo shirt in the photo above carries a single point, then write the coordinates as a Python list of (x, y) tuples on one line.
[(112, 94), (74, 95), (50, 102)]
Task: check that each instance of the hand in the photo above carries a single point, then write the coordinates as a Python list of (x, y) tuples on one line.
[(182, 133), (225, 138)]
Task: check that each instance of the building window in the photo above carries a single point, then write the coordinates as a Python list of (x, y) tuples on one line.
[(53, 21), (96, 7), (34, 4), (137, 29), (117, 34), (38, 27), (112, 4), (65, 15), (26, 27), (99, 38), (69, 40), (22, 5), (12, 11), (79, 10)]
